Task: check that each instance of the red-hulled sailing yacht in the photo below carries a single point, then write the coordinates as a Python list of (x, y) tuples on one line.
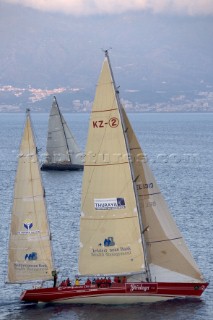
[(126, 228)]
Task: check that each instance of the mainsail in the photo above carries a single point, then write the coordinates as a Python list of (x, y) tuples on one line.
[(61, 145), (110, 235), (165, 244), (30, 254)]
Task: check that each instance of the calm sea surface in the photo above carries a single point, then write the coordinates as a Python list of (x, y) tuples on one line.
[(179, 148)]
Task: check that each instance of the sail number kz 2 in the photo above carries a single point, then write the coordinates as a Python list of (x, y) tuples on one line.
[(113, 123)]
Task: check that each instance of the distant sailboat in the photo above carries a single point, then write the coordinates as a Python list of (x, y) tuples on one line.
[(30, 252), (126, 229), (62, 150)]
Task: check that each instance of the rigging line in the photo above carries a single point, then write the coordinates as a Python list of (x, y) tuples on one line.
[(32, 197), (50, 259), (27, 155), (149, 194), (37, 139), (60, 115), (42, 248), (104, 110), (28, 281), (103, 219), (71, 139), (147, 269), (31, 175), (29, 150), (53, 115), (74, 146), (54, 131), (132, 174), (137, 148), (103, 165), (150, 242), (55, 147), (131, 170)]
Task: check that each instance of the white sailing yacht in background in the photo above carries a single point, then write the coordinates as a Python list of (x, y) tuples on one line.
[(126, 229), (30, 252), (63, 152)]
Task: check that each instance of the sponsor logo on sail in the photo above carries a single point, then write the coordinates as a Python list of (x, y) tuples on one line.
[(28, 225), (109, 204), (31, 256), (109, 242), (110, 249), (31, 267)]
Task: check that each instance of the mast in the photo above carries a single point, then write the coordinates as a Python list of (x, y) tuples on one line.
[(132, 173), (63, 129)]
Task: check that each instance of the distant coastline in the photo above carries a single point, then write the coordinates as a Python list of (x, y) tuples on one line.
[(88, 112), (78, 100)]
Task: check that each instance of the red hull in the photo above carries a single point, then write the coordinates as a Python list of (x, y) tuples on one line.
[(132, 292)]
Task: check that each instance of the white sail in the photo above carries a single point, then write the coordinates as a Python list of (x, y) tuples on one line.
[(30, 254), (61, 145), (165, 244), (73, 149), (110, 237)]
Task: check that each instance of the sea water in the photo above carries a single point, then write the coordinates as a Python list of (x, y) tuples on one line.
[(179, 149)]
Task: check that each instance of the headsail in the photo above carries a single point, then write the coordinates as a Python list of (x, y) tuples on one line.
[(30, 254), (165, 245), (110, 238), (61, 145)]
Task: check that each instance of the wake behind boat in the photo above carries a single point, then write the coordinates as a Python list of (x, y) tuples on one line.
[(63, 152), (126, 229)]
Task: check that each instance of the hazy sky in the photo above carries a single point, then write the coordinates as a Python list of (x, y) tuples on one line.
[(88, 7)]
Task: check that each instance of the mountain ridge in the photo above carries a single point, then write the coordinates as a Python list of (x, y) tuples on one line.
[(156, 59)]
